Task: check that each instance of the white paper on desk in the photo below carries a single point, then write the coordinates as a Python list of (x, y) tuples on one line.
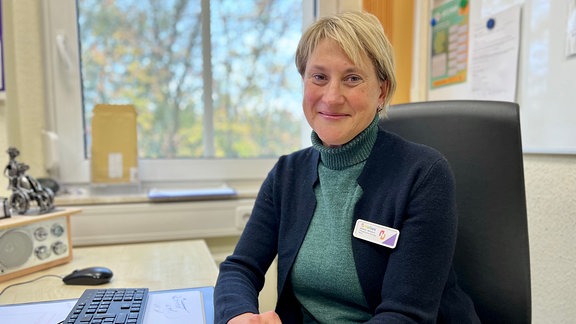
[(185, 307), (37, 313), (176, 306)]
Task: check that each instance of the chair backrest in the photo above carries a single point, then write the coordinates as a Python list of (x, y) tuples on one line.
[(481, 140)]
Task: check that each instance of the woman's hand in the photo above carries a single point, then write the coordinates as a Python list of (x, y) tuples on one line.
[(249, 318)]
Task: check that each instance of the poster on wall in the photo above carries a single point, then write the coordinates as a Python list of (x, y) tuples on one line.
[(494, 61), (449, 50), (571, 30)]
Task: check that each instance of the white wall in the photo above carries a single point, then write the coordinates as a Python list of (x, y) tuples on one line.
[(550, 179)]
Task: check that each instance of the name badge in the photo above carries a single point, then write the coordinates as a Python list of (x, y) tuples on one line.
[(376, 233)]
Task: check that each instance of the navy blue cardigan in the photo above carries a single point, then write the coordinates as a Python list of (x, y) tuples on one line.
[(407, 186)]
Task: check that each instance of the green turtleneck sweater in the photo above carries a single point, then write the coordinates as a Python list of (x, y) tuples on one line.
[(324, 275)]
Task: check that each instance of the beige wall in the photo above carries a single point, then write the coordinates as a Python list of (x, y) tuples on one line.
[(3, 142), (550, 180), (22, 113), (551, 200)]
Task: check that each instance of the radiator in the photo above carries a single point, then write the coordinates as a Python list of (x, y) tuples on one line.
[(145, 222)]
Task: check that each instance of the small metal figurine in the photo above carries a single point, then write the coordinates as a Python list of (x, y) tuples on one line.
[(25, 188)]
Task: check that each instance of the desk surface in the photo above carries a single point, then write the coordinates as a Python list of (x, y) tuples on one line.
[(157, 266)]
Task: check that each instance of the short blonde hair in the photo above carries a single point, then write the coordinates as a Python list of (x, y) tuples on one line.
[(359, 34)]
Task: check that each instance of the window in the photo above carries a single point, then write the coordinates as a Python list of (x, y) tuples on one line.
[(213, 82)]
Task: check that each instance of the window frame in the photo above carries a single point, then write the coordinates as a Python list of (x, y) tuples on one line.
[(64, 127)]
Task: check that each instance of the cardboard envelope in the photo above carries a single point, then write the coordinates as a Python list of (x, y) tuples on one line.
[(114, 144)]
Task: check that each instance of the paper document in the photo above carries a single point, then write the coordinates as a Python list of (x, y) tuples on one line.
[(37, 313), (494, 60), (184, 306), (571, 29), (160, 195)]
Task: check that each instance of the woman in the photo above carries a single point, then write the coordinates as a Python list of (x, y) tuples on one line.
[(363, 222)]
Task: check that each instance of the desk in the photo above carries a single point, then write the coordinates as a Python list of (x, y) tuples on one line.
[(157, 266)]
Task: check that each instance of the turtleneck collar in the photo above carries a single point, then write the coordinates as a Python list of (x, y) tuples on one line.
[(351, 153)]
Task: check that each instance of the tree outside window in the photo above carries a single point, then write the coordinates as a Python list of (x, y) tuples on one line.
[(227, 91)]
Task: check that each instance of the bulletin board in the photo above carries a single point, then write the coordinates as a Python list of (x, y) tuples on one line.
[(543, 79)]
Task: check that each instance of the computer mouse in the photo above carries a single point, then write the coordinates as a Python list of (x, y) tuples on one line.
[(89, 276)]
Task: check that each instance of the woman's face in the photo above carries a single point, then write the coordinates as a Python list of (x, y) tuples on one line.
[(340, 98)]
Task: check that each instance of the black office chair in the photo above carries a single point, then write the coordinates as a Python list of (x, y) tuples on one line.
[(481, 140)]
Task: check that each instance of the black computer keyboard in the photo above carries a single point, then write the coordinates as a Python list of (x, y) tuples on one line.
[(111, 305)]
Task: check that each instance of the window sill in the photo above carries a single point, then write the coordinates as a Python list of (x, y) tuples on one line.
[(127, 217), (90, 195)]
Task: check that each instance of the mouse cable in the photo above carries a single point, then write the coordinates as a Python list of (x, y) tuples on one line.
[(27, 282)]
